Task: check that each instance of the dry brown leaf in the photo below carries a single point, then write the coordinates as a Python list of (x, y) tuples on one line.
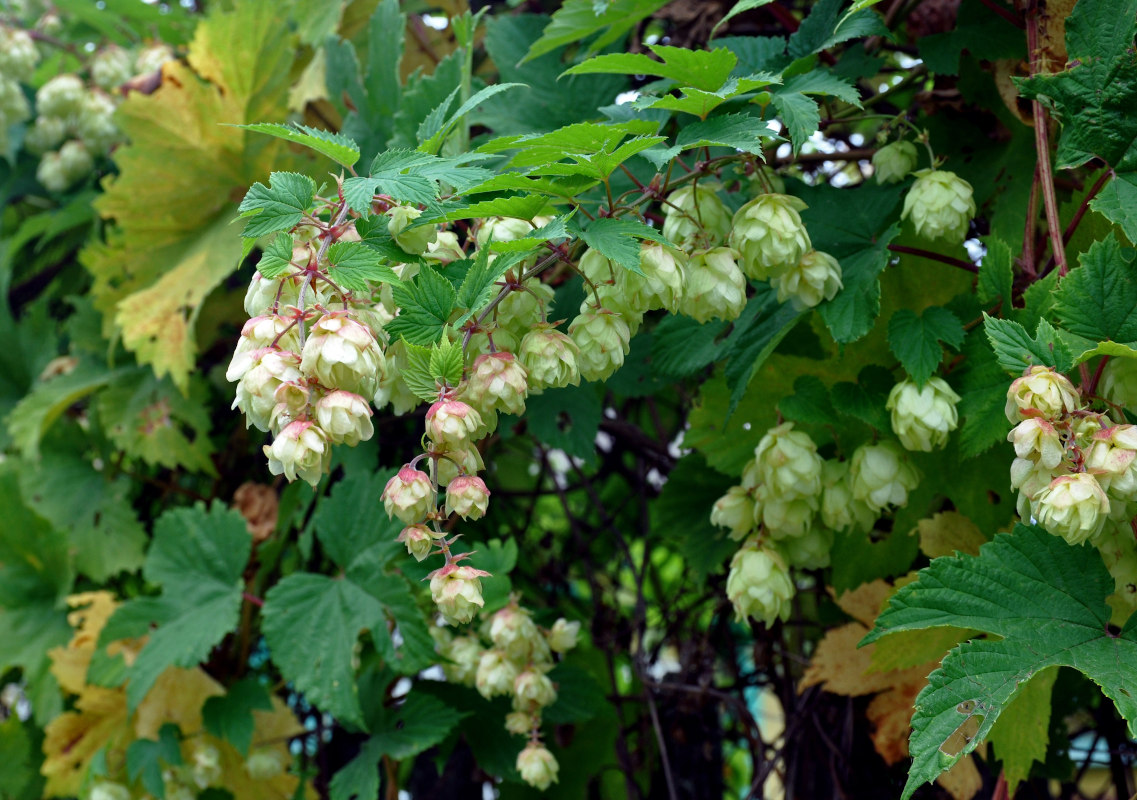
[(891, 716), (259, 505), (865, 602), (72, 739), (840, 667), (962, 781)]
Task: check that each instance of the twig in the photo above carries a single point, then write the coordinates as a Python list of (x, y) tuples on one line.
[(1042, 144), (916, 251), (1005, 13)]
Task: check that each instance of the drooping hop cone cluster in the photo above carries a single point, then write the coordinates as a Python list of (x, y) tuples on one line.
[(922, 417), (940, 205), (893, 162), (1075, 469)]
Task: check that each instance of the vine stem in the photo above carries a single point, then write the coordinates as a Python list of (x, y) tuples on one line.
[(916, 251), (1042, 145)]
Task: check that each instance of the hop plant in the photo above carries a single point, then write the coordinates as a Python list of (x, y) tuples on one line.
[(409, 495), (498, 382), (452, 423), (268, 370), (735, 511), (45, 135), (457, 591), (300, 450), (787, 462), (663, 280), (603, 339), (468, 497), (418, 540), (809, 551), (107, 790), (922, 417), (549, 357), (497, 674), (414, 240), (111, 67), (816, 277), (343, 353), (758, 584), (61, 96), (881, 475), (716, 287), (1039, 441), (1118, 382), (345, 418), (840, 511), (1074, 507), (538, 767), (1042, 391), (563, 635), (695, 217), (940, 205), (893, 162), (60, 170), (769, 235), (18, 53)]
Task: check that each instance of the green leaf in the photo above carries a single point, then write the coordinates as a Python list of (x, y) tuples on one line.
[(1049, 610), (421, 95), (518, 206), (619, 240), (446, 363), (426, 306), (682, 347), (566, 419), (19, 770), (1094, 98), (681, 516), (576, 20), (739, 131), (703, 69), (823, 82), (353, 264), (916, 340), (434, 138), (581, 138), (230, 717), (801, 115), (148, 418), (1016, 351), (983, 391), (311, 624), (1022, 732), (555, 229), (359, 779), (826, 26), (277, 257), (865, 399), (1098, 301), (146, 759), (374, 233), (996, 275), (419, 722), (853, 312), (736, 9), (277, 207), (1118, 201), (198, 558), (760, 328), (809, 403), (47, 400), (341, 149), (417, 375)]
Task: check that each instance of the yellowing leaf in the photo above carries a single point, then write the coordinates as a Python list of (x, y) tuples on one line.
[(1021, 734), (947, 532), (840, 667), (72, 739), (69, 664), (865, 602), (914, 648), (179, 179)]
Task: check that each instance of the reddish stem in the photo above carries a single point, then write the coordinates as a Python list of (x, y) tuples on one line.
[(1042, 145), (916, 251), (256, 601)]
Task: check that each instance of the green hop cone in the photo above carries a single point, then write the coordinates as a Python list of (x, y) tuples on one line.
[(716, 287), (603, 339), (893, 162), (922, 417), (769, 235), (694, 216), (1074, 507), (759, 584), (412, 240), (538, 767), (1119, 381), (940, 205), (816, 277)]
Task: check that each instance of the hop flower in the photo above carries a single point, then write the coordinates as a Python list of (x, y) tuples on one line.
[(256, 389), (922, 418), (716, 286), (839, 510), (513, 632), (519, 723), (206, 765), (1042, 391), (1119, 381), (769, 235), (60, 96), (409, 495), (816, 277), (507, 229), (881, 475), (468, 497), (533, 687), (292, 403), (498, 382), (496, 674), (13, 105), (563, 635), (445, 248), (344, 417), (695, 216), (46, 134), (342, 354), (662, 283), (940, 205), (452, 423), (18, 53), (521, 310), (301, 449), (106, 790), (1074, 507), (264, 764), (257, 334), (58, 171), (95, 124), (111, 67), (1036, 439), (419, 540), (785, 515), (759, 584), (788, 463), (412, 240), (458, 462), (457, 591), (734, 511), (894, 161), (808, 551), (597, 268), (1111, 458), (615, 297), (603, 339), (538, 767), (465, 653), (549, 358)]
